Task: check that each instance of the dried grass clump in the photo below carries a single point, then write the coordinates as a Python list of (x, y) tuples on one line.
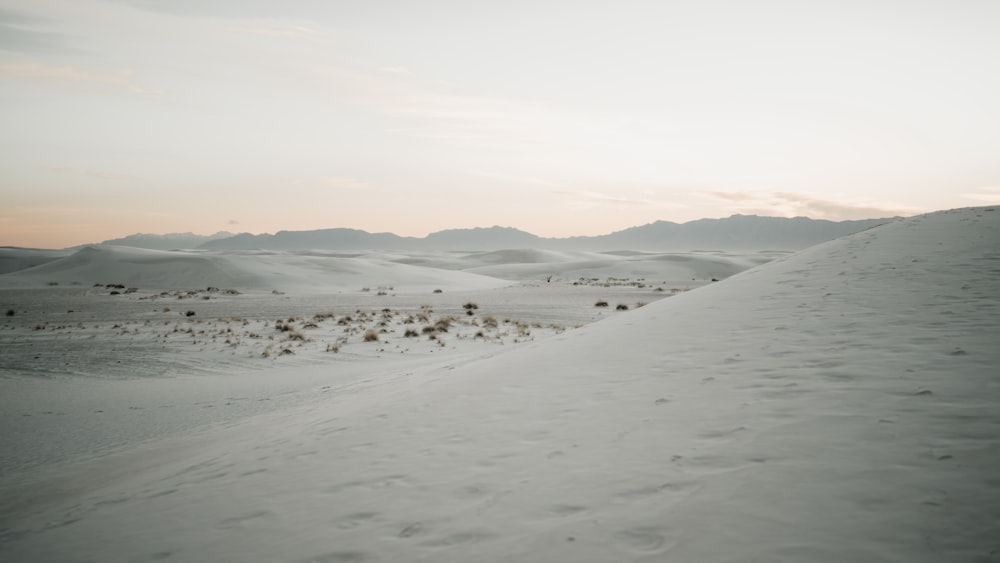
[(621, 307), (371, 335), (601, 303)]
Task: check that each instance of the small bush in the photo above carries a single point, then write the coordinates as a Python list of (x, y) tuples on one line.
[(490, 321), (189, 314), (371, 335), (10, 312), (410, 333), (601, 303), (470, 306), (622, 307), (437, 291)]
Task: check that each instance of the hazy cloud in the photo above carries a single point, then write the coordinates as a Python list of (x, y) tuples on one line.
[(989, 194), (734, 196), (59, 169), (586, 198), (38, 72), (232, 222), (836, 210), (792, 205), (342, 183), (117, 176), (280, 30), (17, 35)]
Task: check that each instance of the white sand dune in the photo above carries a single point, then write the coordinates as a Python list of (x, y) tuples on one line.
[(13, 259), (839, 404), (262, 270), (532, 264), (317, 272)]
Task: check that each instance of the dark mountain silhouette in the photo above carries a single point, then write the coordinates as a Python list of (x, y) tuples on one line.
[(732, 233), (171, 241)]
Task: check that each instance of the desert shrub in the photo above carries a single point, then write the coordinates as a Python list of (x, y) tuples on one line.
[(296, 335), (10, 312), (480, 334), (371, 335), (410, 333), (470, 306), (443, 324), (490, 321), (601, 303), (438, 291), (429, 330), (189, 314), (622, 307)]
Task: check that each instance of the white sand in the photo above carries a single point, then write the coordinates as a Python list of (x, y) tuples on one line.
[(839, 404)]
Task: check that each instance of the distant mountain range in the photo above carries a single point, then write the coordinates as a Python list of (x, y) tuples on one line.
[(732, 233), (171, 241)]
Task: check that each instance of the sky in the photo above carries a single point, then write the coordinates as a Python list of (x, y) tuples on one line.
[(557, 117)]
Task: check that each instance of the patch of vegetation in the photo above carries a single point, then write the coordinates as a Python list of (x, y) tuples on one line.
[(601, 303)]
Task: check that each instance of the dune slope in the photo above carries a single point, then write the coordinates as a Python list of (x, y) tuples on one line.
[(260, 270), (838, 404)]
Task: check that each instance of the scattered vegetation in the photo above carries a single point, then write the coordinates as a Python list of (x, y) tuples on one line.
[(601, 303)]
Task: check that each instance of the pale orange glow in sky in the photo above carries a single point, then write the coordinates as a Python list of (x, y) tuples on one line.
[(559, 118)]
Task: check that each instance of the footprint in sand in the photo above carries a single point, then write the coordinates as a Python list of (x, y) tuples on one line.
[(644, 540)]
